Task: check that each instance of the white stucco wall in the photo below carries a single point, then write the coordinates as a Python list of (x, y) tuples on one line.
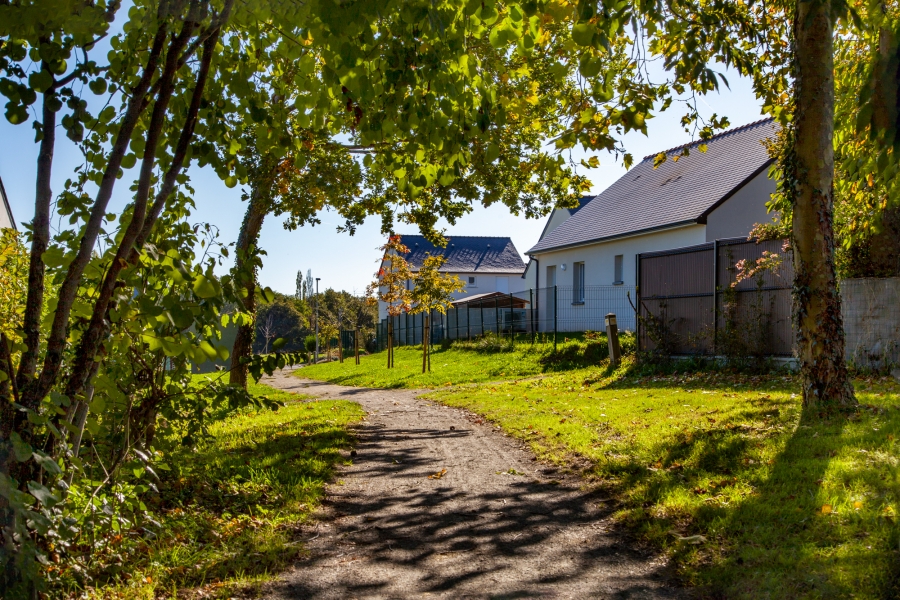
[(737, 215), (5, 221), (599, 270), (484, 283), (599, 259)]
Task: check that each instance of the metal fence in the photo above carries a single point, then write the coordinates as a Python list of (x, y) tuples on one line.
[(533, 314), (690, 301)]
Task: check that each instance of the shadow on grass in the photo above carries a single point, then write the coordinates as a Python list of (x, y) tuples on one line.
[(234, 510), (450, 540), (807, 523)]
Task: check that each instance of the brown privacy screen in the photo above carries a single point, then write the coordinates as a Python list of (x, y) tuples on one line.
[(690, 304)]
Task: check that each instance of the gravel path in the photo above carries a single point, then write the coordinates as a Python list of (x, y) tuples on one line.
[(495, 524)]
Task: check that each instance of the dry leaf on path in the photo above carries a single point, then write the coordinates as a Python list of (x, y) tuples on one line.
[(438, 475)]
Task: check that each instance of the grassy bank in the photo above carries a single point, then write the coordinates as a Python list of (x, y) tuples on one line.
[(752, 497), (466, 362), (229, 512)]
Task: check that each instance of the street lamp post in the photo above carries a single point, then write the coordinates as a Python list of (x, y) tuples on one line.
[(317, 319)]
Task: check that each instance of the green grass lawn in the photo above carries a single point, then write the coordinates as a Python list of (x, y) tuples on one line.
[(464, 362), (787, 505), (448, 367), (229, 513)]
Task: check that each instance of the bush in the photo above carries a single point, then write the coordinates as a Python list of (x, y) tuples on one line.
[(310, 343)]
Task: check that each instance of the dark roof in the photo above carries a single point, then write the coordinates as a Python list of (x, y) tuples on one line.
[(467, 254), (492, 299), (6, 206), (675, 193), (581, 204)]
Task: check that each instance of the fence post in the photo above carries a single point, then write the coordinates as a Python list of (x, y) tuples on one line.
[(555, 304), (637, 301), (531, 313), (497, 315), (468, 320), (612, 339), (512, 319), (715, 263)]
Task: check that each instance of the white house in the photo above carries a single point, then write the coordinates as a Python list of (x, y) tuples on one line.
[(6, 216), (485, 264), (686, 200)]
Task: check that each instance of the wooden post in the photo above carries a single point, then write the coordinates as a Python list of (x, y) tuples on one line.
[(612, 338), (356, 344)]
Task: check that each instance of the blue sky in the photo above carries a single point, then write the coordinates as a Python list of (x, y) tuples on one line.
[(344, 261)]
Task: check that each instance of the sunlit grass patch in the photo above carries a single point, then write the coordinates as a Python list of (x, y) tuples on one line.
[(448, 367), (230, 510), (788, 505), (465, 362)]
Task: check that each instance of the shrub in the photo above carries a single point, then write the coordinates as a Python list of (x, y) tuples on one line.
[(310, 343)]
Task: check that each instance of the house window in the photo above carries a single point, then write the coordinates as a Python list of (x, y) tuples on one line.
[(578, 283), (472, 282), (619, 262)]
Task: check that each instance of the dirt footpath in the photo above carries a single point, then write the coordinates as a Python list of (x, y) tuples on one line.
[(439, 504)]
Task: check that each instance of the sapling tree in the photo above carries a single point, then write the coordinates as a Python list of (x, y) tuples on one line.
[(432, 291), (391, 286)]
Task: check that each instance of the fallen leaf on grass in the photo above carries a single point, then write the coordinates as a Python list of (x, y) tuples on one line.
[(438, 475), (826, 509), (691, 539)]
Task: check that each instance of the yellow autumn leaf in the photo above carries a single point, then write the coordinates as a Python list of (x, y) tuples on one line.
[(826, 509)]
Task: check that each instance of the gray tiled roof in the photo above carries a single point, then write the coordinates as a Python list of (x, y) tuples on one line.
[(645, 199), (467, 254)]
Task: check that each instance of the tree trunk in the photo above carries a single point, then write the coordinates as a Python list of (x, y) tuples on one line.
[(245, 271), (93, 335), (40, 240), (810, 165), (35, 390)]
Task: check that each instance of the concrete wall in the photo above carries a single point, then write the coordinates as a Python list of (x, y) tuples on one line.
[(737, 215), (871, 311)]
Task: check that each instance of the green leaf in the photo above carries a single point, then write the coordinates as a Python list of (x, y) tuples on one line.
[(21, 449), (590, 67), (98, 86), (491, 153), (47, 463), (16, 113), (40, 81), (208, 350), (279, 344), (205, 287), (43, 495), (583, 34)]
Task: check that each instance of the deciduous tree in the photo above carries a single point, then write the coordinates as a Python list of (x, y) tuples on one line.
[(391, 286), (432, 291)]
